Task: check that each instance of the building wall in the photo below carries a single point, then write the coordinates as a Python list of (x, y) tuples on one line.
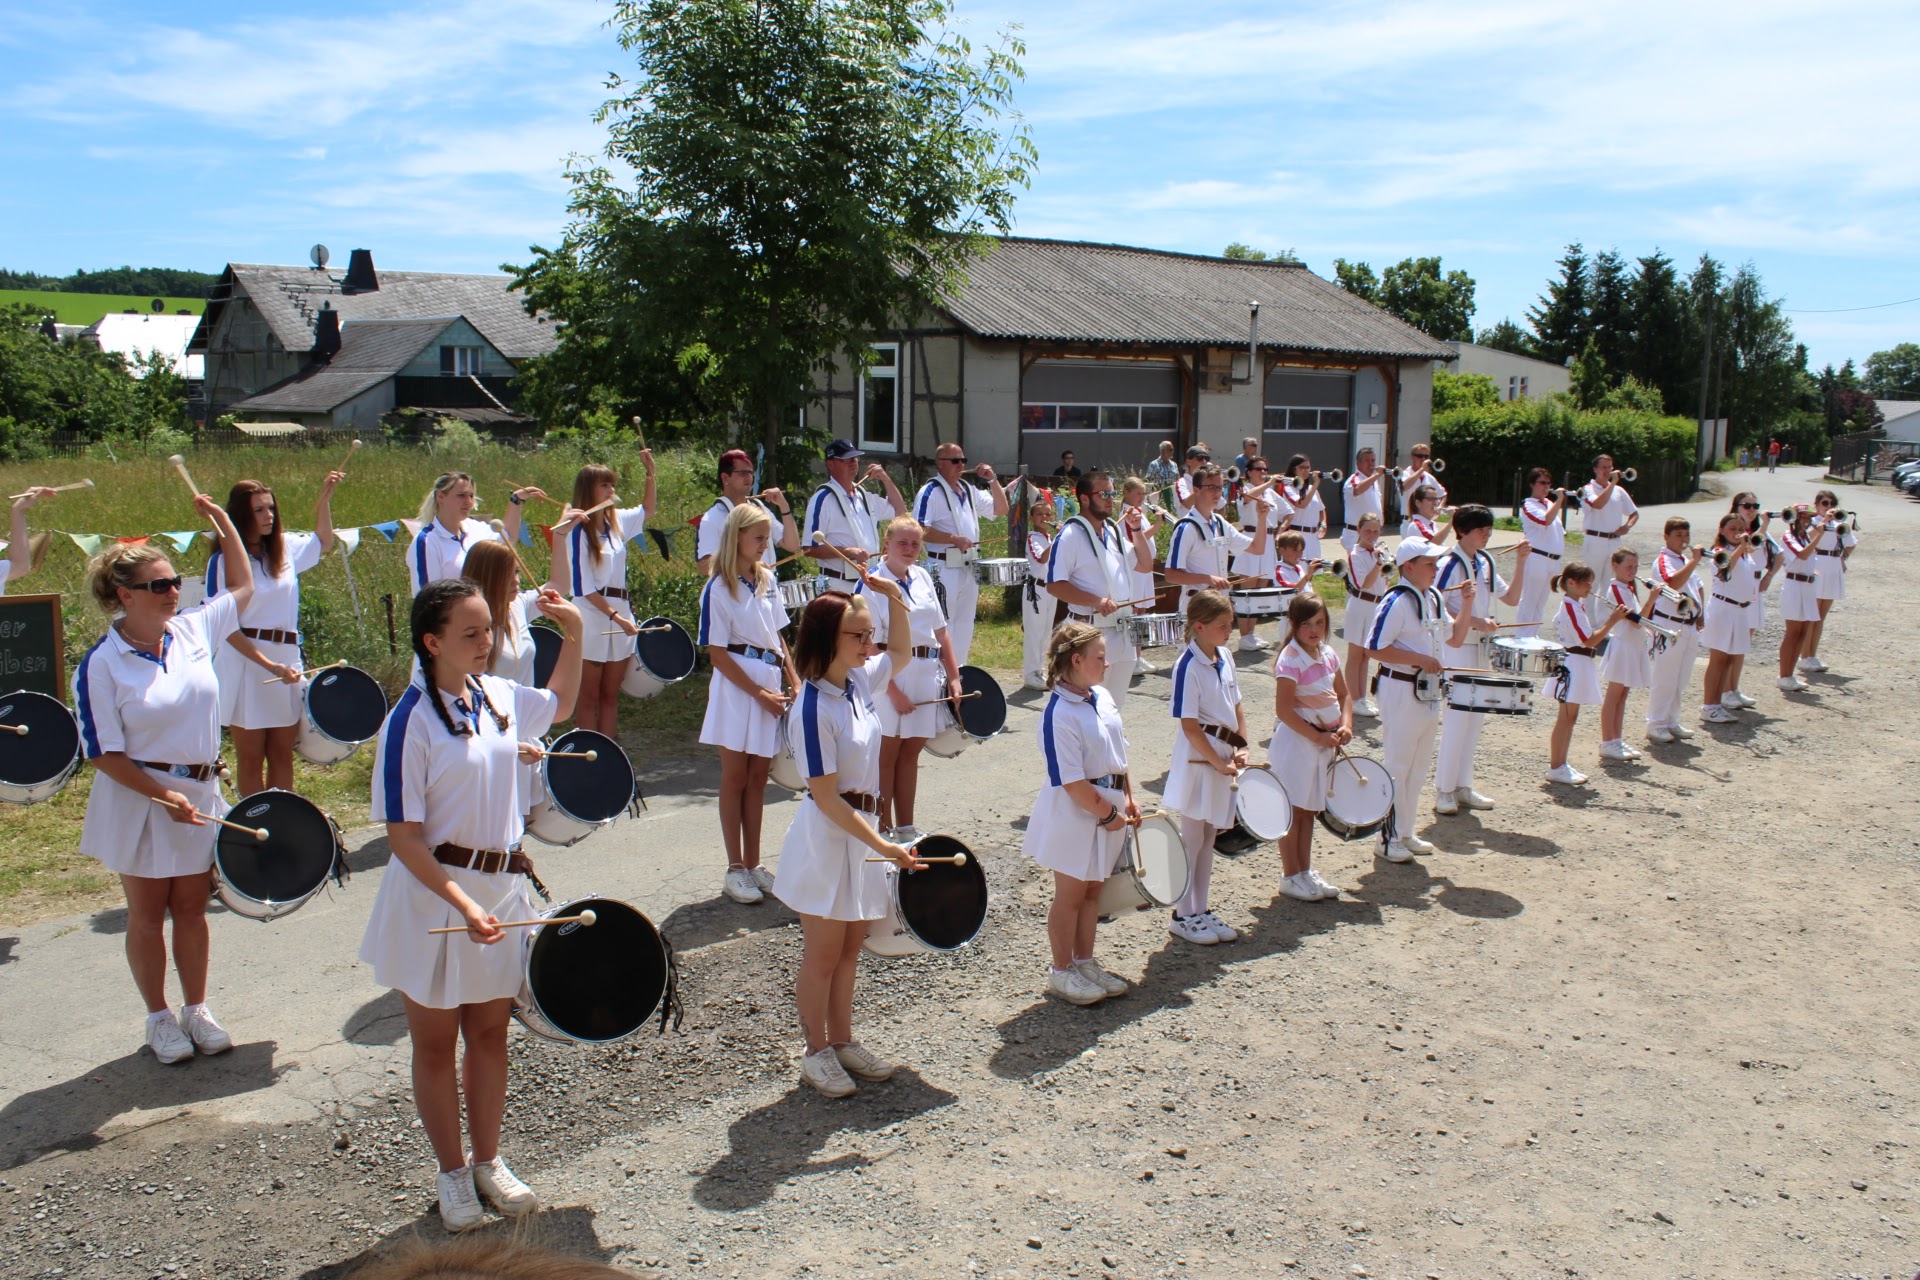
[(990, 403), (1541, 377), (364, 411), (1413, 419), (243, 356), (459, 334)]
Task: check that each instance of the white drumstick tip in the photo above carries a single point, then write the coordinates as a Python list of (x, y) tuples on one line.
[(260, 833), (819, 538), (588, 918), (593, 755), (87, 483), (177, 459), (959, 859)]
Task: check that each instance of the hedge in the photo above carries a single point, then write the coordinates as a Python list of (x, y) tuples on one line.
[(1485, 446)]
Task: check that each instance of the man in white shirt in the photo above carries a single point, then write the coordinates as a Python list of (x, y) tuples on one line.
[(950, 510), (842, 511), (736, 483), (1198, 456), (1607, 514), (1360, 493), (1546, 548), (1088, 571), (1420, 473)]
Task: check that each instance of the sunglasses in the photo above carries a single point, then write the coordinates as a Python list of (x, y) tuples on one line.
[(960, 461), (159, 586), (1749, 506)]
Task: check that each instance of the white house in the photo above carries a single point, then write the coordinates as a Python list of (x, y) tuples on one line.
[(1516, 377)]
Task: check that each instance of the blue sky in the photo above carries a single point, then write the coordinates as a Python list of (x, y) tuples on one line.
[(1489, 133)]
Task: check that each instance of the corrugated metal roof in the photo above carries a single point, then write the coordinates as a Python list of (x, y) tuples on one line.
[(371, 351), (1074, 291)]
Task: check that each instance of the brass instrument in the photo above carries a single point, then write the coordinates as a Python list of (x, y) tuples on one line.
[(1628, 475), (1336, 475), (1437, 466)]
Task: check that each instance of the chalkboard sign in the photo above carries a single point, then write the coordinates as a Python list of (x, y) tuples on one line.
[(33, 653)]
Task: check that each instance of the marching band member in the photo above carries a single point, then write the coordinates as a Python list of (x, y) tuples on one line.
[(910, 711), (596, 564), (1799, 594), (1366, 584), (1629, 660), (448, 531), (445, 781), (1081, 812), (1607, 511), (824, 874), (1271, 512), (19, 561), (1313, 715), (1729, 605), (264, 718), (1423, 516), (1405, 640), (1203, 542), (148, 702), (1089, 572), (1676, 569), (949, 511), (1831, 553), (1579, 682), (1134, 509), (741, 618), (1761, 559), (1360, 495), (1546, 544), (842, 510), (1290, 571), (1208, 754), (1460, 730), (1198, 456), (495, 569), (1309, 515), (1420, 475), (736, 485), (1036, 606)]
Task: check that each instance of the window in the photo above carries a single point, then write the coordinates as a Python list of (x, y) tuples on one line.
[(880, 400), (460, 362), (1129, 418), (1289, 418)]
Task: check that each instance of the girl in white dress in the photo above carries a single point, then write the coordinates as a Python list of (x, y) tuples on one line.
[(1833, 547), (445, 783), (1629, 661), (1036, 606), (1579, 683), (596, 567), (1272, 508), (1728, 633), (1762, 560), (1423, 516), (1302, 492), (1313, 712), (908, 713), (1366, 583), (148, 703), (824, 874), (1081, 813), (1208, 754), (1799, 594), (741, 617), (264, 717), (1133, 503), (448, 531)]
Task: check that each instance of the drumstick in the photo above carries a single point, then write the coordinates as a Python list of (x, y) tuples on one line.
[(570, 755), (955, 860), (784, 559), (638, 434), (500, 527), (590, 511), (351, 449), (952, 698), (180, 465), (586, 918), (639, 631), (258, 833), (57, 488), (1475, 671), (309, 671), (22, 729), (1347, 757), (543, 497), (820, 540), (1233, 782)]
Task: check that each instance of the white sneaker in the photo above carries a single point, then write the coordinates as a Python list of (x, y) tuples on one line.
[(1395, 852), (1111, 983), (1633, 753), (1718, 715), (906, 835), (1659, 733), (823, 1071), (1301, 885), (762, 879), (512, 1197), (1367, 709), (1615, 750), (1567, 775), (1679, 730), (1193, 929), (1328, 889), (1034, 680), (1142, 666), (739, 885), (1737, 700), (1414, 844), (859, 1062), (208, 1036), (1222, 931), (1076, 988), (1812, 664), (1473, 799), (459, 1203), (168, 1042), (1444, 804), (1791, 684), (1253, 643)]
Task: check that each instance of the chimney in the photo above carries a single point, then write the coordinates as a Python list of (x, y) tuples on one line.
[(50, 330), (360, 276), (326, 334)]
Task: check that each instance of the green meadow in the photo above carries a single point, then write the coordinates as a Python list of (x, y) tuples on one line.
[(85, 308)]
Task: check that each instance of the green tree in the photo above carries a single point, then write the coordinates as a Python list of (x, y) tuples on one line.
[(1357, 278), (1664, 352), (1247, 253), (1590, 383), (804, 176), (1609, 310), (1560, 325), (1463, 391), (1436, 302), (1506, 336), (1894, 374), (74, 387)]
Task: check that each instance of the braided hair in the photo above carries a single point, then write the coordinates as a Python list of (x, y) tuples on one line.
[(430, 612)]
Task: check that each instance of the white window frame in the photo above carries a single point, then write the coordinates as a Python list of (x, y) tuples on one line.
[(1315, 409), (895, 370), (466, 361)]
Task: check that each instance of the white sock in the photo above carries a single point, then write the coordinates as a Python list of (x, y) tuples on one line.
[(157, 1015), (188, 1010)]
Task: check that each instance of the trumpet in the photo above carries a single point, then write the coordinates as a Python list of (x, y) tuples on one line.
[(1788, 514), (1723, 558), (1846, 522), (1668, 636), (1571, 497), (1628, 475)]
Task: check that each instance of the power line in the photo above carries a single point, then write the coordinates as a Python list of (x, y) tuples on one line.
[(1830, 311)]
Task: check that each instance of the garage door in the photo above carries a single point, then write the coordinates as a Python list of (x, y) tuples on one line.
[(1109, 415)]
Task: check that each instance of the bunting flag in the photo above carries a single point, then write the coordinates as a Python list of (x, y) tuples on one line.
[(546, 531), (181, 541), (140, 541), (349, 540), (89, 543), (412, 527), (526, 536), (387, 529)]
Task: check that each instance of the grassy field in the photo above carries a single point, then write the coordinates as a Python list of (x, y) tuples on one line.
[(85, 308)]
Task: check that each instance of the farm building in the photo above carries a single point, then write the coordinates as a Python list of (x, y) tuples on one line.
[(1106, 350)]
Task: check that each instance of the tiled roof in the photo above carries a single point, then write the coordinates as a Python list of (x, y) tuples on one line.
[(371, 351), (1074, 291)]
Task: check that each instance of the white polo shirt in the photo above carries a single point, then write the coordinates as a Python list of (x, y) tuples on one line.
[(437, 553), (1544, 532), (165, 709), (1411, 480), (956, 512), (1204, 546), (1099, 565), (847, 521), (1205, 691), (706, 541), (590, 578), (1359, 502), (1081, 738), (276, 600), (463, 788), (925, 617), (1605, 519), (1397, 623)]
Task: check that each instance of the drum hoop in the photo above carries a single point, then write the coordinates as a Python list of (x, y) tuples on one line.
[(572, 908), (64, 771)]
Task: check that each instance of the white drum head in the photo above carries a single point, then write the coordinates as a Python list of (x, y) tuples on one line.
[(1262, 803), (1160, 860), (1359, 791), (785, 769)]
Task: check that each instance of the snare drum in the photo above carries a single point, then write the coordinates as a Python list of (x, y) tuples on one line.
[(1157, 630), (1006, 572), (1359, 797), (267, 879), (785, 769), (581, 795), (1527, 656), (343, 708), (797, 593), (1262, 805), (980, 717), (1492, 695), (1153, 869), (593, 984), (660, 658), (940, 907), (37, 764), (546, 652), (1261, 602), (1429, 686)]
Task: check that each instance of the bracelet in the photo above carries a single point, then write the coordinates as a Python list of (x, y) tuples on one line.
[(515, 499), (1113, 811)]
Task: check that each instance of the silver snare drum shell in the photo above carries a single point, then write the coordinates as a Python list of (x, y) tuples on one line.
[(1156, 630), (37, 764), (1491, 695), (1004, 572), (1527, 656), (795, 593), (1261, 602)]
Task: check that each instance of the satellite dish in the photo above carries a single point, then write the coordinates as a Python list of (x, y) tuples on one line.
[(158, 305), (318, 255)]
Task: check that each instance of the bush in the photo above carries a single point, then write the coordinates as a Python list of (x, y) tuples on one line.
[(1484, 446), (1463, 391)]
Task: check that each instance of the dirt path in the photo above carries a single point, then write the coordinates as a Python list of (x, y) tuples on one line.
[(1661, 1028)]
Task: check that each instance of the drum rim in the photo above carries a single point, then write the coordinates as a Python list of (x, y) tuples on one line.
[(1346, 829), (974, 867), (553, 800), (1267, 772), (278, 906), (573, 907), (309, 719), (64, 772), (1491, 682), (692, 649), (1132, 863)]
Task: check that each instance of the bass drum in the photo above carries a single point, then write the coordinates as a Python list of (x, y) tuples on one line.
[(594, 984), (1153, 870), (1359, 797), (271, 878), (344, 708), (981, 715), (581, 796), (940, 907), (785, 770), (36, 765), (663, 654)]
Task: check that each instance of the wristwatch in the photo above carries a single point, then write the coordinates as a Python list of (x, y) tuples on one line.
[(515, 499)]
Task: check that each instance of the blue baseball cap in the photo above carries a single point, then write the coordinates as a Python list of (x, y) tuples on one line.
[(841, 449)]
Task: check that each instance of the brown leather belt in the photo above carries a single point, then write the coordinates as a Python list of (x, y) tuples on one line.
[(197, 772), (1551, 555), (1826, 553), (1411, 677), (1617, 533), (926, 651), (862, 802), (271, 637), (1582, 651), (1368, 596), (486, 860), (1110, 781), (1802, 577), (615, 593), (1229, 736), (1727, 600)]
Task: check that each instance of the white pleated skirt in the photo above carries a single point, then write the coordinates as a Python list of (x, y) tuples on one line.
[(133, 836), (1728, 629), (1799, 601), (924, 678), (1299, 764), (446, 970), (1061, 836), (1355, 624), (247, 701), (598, 646), (824, 871), (1581, 683), (734, 719), (1628, 662), (1195, 789)]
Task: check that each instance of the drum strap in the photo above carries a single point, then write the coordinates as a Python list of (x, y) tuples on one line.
[(271, 637), (1110, 781), (670, 999), (1229, 736)]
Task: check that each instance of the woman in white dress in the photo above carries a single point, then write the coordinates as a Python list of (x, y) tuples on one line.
[(445, 782), (264, 717), (1313, 714), (1081, 815), (1423, 516), (909, 712), (148, 702), (1799, 594), (824, 874), (1727, 633), (1036, 606), (1208, 754), (1367, 581), (741, 618), (1629, 661), (596, 566), (1762, 557), (1579, 683), (1833, 547), (1272, 509), (1302, 492)]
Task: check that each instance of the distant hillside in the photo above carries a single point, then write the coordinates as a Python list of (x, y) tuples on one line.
[(85, 308), (132, 282)]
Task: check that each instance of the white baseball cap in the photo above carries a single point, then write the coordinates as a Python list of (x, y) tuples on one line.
[(1416, 548)]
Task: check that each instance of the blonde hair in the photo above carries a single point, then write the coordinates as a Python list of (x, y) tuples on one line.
[(1371, 517), (725, 564), (1070, 638), (1133, 484), (900, 524), (1204, 607), (430, 505), (115, 568)]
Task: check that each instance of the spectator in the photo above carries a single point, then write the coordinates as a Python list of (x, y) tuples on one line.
[(1066, 470), (1249, 450), (1163, 470), (1773, 455)]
